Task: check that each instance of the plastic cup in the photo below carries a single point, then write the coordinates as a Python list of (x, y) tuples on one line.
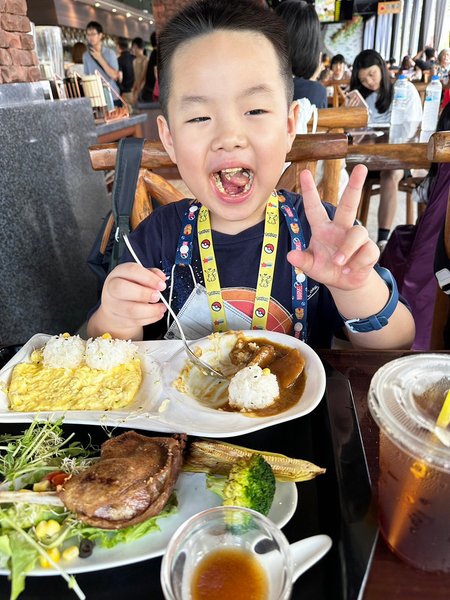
[(237, 535), (405, 399)]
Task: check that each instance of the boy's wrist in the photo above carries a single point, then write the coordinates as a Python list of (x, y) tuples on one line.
[(363, 302), (380, 319)]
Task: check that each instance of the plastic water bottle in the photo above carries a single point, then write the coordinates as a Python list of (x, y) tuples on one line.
[(398, 112), (406, 113), (431, 108)]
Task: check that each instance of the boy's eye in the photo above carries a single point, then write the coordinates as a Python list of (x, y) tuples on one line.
[(256, 111), (198, 120)]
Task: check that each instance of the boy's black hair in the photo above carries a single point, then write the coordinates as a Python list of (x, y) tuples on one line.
[(138, 42), (303, 29), (338, 59), (364, 60), (430, 52), (207, 16), (94, 25)]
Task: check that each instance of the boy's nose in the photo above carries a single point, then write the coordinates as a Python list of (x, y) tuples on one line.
[(229, 138)]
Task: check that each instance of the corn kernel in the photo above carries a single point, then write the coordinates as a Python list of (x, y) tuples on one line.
[(23, 491), (54, 555), (70, 553), (41, 530), (106, 336), (265, 371), (52, 527), (47, 529), (41, 486)]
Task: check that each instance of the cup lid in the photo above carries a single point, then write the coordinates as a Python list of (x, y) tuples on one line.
[(405, 398)]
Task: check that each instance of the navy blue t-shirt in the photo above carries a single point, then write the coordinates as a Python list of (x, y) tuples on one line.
[(313, 90), (237, 257)]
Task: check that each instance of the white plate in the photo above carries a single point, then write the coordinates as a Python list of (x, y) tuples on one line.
[(193, 497), (158, 406)]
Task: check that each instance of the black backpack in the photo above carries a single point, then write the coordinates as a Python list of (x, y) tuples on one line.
[(109, 245)]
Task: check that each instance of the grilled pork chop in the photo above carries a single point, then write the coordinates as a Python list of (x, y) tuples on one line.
[(131, 482)]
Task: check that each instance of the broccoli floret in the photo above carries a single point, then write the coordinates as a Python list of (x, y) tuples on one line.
[(250, 483)]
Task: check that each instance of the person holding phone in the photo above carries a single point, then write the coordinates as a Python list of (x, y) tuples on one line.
[(99, 58), (370, 77)]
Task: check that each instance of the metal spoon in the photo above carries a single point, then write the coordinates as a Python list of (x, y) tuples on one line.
[(203, 366)]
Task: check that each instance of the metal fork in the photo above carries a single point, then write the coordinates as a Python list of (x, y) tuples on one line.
[(202, 365)]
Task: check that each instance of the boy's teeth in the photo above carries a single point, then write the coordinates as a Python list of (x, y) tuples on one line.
[(234, 181)]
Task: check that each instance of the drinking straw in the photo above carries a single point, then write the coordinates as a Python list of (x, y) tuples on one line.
[(443, 419)]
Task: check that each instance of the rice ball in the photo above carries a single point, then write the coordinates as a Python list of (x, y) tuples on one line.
[(63, 351), (106, 353), (253, 388)]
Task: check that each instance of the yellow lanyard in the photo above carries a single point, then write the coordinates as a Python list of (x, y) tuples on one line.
[(265, 274)]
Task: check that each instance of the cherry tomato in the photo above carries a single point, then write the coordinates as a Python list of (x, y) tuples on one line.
[(57, 478)]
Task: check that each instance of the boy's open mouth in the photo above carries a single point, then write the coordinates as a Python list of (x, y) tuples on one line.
[(234, 181)]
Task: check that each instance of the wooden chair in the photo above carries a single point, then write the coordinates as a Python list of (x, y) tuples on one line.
[(376, 157), (306, 151), (337, 120)]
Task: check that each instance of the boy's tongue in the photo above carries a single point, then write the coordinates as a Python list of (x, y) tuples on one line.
[(234, 180)]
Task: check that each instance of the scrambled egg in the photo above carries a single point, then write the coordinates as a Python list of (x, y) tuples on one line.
[(34, 387)]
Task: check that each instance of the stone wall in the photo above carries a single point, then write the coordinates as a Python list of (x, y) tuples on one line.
[(18, 60)]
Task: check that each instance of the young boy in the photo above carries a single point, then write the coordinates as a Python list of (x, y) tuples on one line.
[(229, 120)]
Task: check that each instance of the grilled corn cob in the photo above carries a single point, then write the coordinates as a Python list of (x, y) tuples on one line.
[(211, 456)]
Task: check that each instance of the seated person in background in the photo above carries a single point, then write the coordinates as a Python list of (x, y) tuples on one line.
[(371, 78), (100, 58), (430, 58), (409, 68), (303, 29), (442, 67), (339, 69), (139, 66), (226, 94)]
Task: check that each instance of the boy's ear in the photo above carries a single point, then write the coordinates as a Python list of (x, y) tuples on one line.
[(292, 125), (166, 137)]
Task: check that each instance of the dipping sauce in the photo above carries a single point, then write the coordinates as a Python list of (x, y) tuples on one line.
[(229, 574)]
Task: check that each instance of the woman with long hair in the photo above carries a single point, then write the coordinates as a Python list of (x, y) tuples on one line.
[(370, 77)]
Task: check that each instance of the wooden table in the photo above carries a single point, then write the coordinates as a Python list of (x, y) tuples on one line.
[(389, 578)]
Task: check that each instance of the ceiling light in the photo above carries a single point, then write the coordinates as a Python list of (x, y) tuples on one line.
[(140, 19), (151, 22), (117, 7)]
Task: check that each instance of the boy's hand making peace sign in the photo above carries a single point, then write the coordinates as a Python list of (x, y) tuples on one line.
[(340, 254)]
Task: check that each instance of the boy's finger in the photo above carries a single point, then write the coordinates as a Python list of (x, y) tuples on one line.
[(151, 278), (301, 259), (314, 209), (364, 259), (355, 238), (348, 206)]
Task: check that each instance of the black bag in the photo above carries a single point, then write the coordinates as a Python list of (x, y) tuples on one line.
[(109, 245)]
